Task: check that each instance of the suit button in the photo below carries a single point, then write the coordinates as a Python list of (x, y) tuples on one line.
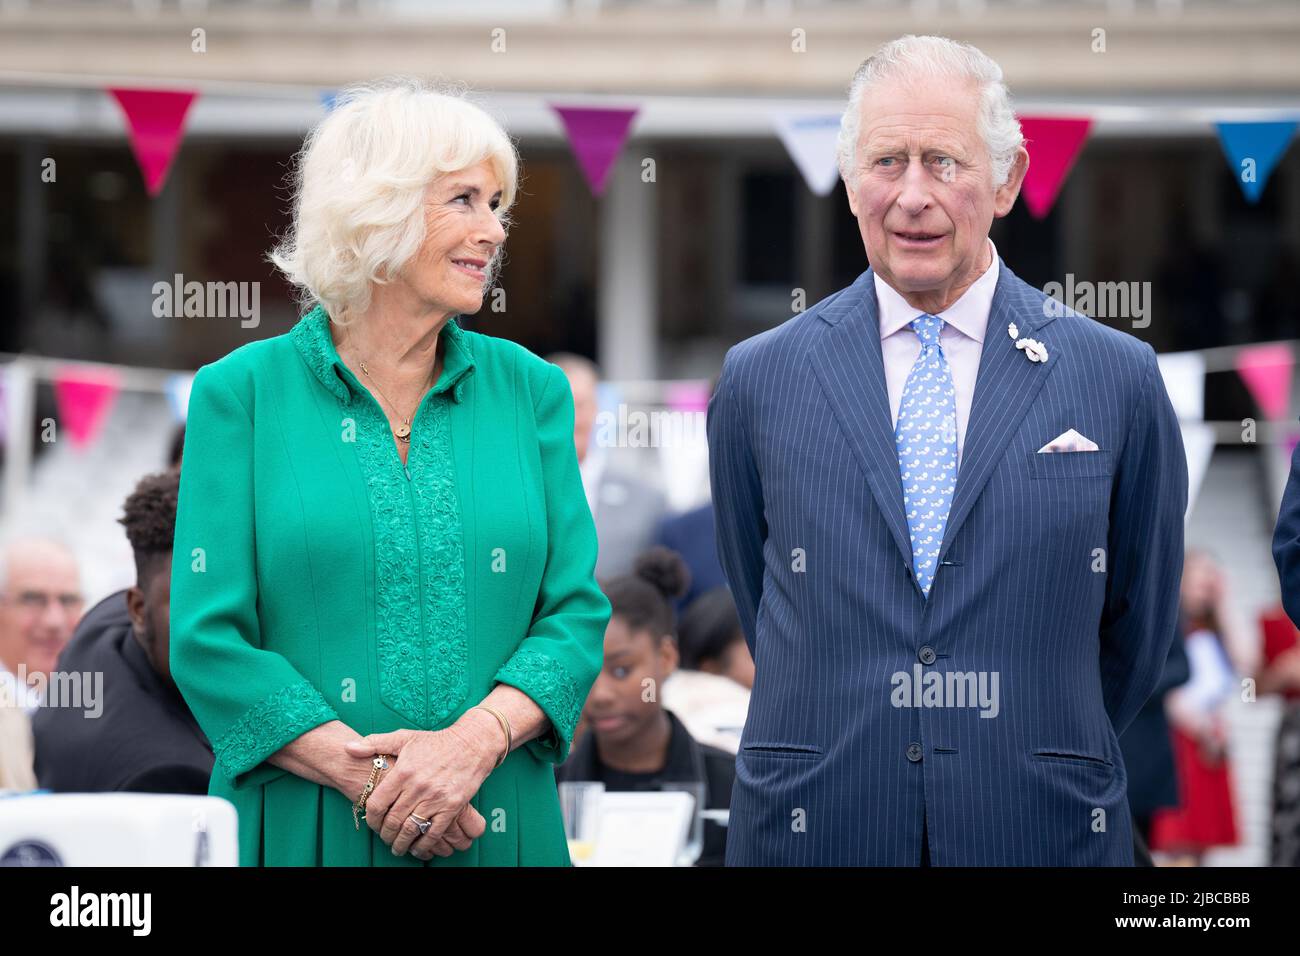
[(926, 655), (914, 753)]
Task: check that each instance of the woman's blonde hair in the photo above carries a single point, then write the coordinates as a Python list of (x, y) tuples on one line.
[(360, 179)]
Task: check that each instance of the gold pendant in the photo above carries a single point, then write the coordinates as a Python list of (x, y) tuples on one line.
[(403, 431)]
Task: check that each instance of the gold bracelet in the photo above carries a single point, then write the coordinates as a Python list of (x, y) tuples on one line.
[(381, 762), (505, 727)]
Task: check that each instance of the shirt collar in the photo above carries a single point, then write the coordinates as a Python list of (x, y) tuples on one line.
[(312, 337), (969, 315)]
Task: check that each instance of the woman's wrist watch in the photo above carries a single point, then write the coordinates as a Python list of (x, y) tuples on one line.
[(381, 763)]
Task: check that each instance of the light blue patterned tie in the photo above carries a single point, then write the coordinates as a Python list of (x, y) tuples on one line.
[(926, 436)]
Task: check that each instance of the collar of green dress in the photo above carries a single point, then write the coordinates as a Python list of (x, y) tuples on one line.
[(312, 337)]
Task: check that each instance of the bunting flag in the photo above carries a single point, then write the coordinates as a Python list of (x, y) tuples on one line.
[(687, 396), (1266, 370), (810, 139), (1184, 376), (1053, 143), (178, 395), (1198, 445), (1253, 151), (597, 137), (155, 124), (83, 397)]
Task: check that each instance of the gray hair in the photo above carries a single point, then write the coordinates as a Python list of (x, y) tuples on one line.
[(359, 185), (939, 58)]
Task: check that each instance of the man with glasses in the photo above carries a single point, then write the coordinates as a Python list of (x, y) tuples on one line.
[(40, 604)]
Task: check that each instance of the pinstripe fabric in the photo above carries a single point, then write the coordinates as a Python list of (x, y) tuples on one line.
[(813, 539)]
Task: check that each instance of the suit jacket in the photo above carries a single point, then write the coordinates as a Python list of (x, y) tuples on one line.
[(627, 514), (1148, 747), (693, 535), (145, 740), (1286, 541), (836, 765)]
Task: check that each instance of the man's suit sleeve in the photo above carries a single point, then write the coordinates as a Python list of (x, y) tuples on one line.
[(737, 502), (1286, 541), (1145, 552)]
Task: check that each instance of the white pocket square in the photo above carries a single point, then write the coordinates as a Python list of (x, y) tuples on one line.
[(1069, 441)]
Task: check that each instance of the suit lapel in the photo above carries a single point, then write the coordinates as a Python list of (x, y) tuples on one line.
[(1005, 387), (847, 360)]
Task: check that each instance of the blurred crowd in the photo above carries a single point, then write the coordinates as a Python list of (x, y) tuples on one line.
[(668, 705)]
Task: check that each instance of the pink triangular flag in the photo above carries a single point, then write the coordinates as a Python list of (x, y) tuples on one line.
[(155, 123), (83, 397), (1266, 370), (1053, 144), (687, 396), (597, 136)]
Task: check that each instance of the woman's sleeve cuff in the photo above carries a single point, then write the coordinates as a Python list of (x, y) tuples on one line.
[(267, 726), (553, 690)]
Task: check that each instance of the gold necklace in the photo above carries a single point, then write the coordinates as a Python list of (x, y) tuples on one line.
[(402, 431)]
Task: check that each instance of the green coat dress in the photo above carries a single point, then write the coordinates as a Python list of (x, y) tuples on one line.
[(315, 578)]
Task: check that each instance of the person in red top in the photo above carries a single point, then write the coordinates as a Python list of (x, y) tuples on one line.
[(1280, 674), (1204, 817)]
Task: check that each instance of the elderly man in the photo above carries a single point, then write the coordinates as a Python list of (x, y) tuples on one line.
[(40, 603), (627, 510), (951, 517)]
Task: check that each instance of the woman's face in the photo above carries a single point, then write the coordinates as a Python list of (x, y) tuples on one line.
[(1202, 585), (463, 238), (635, 668)]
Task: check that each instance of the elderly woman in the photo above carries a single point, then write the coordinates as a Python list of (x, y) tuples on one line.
[(383, 608)]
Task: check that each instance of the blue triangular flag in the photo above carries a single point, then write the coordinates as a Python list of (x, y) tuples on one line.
[(327, 98), (1253, 150)]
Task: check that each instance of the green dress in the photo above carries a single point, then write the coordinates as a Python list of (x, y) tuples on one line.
[(315, 578)]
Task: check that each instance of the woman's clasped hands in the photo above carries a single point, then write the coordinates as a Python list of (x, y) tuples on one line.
[(434, 778)]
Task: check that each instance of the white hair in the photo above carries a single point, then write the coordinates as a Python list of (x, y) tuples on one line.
[(931, 57), (360, 179)]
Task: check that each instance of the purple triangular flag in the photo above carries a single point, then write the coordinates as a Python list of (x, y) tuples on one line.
[(597, 136)]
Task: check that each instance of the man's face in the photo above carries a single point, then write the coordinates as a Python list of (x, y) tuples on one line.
[(924, 196), (149, 604), (41, 605)]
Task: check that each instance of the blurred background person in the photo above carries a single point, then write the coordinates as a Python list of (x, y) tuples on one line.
[(693, 535), (1148, 752), (627, 510), (40, 604), (710, 688), (144, 738), (634, 742), (1204, 817), (1280, 674)]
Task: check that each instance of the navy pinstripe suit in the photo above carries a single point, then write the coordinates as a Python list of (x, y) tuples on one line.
[(1058, 577)]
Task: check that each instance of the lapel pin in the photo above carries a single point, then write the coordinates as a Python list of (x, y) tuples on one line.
[(1034, 350), (1013, 331)]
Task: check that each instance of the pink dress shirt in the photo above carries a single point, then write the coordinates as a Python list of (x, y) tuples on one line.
[(962, 339)]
